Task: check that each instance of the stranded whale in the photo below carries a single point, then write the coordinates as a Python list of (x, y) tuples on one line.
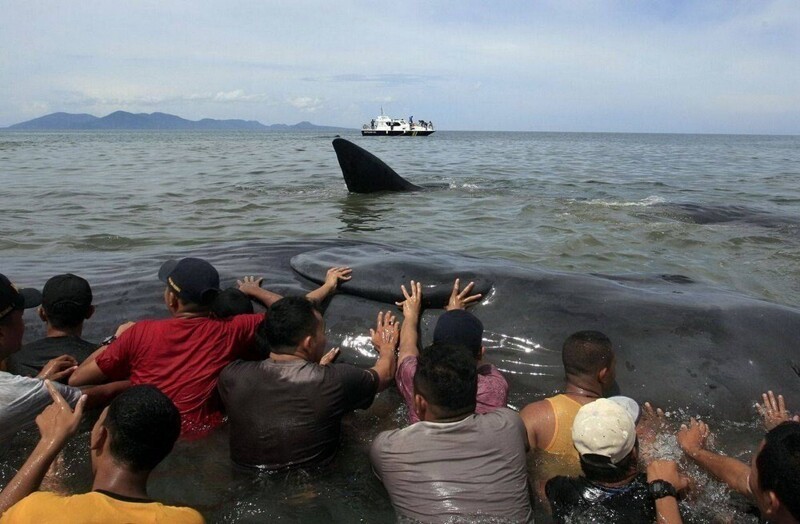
[(365, 173), (679, 343)]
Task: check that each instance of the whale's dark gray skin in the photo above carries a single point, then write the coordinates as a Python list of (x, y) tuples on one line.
[(726, 214), (365, 173), (680, 343)]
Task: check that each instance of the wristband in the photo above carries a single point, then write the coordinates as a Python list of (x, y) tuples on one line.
[(661, 488), (108, 340)]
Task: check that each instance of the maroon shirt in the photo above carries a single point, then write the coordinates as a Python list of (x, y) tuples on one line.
[(492, 387)]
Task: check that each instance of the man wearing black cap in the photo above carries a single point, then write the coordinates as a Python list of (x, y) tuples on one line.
[(23, 398), (183, 355), (455, 327), (66, 303)]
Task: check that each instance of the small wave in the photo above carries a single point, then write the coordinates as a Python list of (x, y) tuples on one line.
[(106, 243), (646, 202)]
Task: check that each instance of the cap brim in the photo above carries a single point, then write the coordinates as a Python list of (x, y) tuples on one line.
[(630, 405), (30, 297), (166, 268)]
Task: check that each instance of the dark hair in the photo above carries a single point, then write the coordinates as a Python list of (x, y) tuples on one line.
[(231, 302), (143, 425), (446, 376), (66, 300), (779, 465), (65, 315), (586, 353), (288, 321), (599, 468)]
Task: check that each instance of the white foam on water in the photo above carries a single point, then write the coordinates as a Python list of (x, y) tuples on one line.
[(645, 202)]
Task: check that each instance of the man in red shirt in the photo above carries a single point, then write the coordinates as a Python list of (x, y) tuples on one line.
[(184, 355)]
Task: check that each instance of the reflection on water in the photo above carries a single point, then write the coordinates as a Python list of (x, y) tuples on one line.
[(363, 213)]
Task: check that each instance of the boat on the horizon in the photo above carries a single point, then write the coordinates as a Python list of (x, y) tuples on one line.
[(388, 126)]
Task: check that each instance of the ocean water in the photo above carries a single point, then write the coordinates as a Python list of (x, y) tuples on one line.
[(724, 210)]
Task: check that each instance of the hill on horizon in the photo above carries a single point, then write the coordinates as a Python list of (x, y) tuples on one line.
[(123, 120)]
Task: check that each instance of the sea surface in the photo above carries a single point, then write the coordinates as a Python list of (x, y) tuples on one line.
[(721, 209)]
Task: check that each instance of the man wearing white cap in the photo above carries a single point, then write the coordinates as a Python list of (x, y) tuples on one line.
[(612, 488)]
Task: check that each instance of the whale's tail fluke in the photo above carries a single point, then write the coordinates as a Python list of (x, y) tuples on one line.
[(365, 173)]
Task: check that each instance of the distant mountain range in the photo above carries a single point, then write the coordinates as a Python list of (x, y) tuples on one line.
[(122, 120)]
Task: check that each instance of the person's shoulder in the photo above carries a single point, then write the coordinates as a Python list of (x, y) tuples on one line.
[(11, 381), (503, 413), (563, 487), (536, 410), (245, 319), (387, 440), (34, 344), (240, 367), (344, 371), (182, 515), (32, 507)]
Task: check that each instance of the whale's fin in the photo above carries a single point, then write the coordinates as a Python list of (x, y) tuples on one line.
[(365, 173)]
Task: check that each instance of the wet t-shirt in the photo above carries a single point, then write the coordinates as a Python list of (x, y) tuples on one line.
[(183, 358), (23, 398), (577, 500), (492, 387), (473, 470), (288, 414), (33, 356)]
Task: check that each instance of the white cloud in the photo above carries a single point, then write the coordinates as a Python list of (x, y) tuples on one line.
[(467, 65), (306, 103)]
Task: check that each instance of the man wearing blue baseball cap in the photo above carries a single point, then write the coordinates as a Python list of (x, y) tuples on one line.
[(456, 327)]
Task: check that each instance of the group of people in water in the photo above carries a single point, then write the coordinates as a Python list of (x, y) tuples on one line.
[(462, 457)]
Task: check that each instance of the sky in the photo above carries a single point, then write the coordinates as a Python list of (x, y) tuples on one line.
[(673, 66)]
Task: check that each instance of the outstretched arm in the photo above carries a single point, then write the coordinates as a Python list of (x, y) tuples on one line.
[(409, 334), (88, 372), (251, 286), (332, 279), (461, 299), (57, 423), (667, 511), (385, 337), (773, 411), (692, 439)]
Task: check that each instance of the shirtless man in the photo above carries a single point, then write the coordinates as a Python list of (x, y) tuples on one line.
[(589, 364)]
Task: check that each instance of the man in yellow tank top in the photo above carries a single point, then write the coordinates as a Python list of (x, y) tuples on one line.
[(589, 367)]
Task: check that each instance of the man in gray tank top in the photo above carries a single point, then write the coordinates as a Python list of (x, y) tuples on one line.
[(454, 465)]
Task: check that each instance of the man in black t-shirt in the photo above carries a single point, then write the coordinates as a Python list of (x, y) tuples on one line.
[(66, 303), (612, 488), (286, 411)]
